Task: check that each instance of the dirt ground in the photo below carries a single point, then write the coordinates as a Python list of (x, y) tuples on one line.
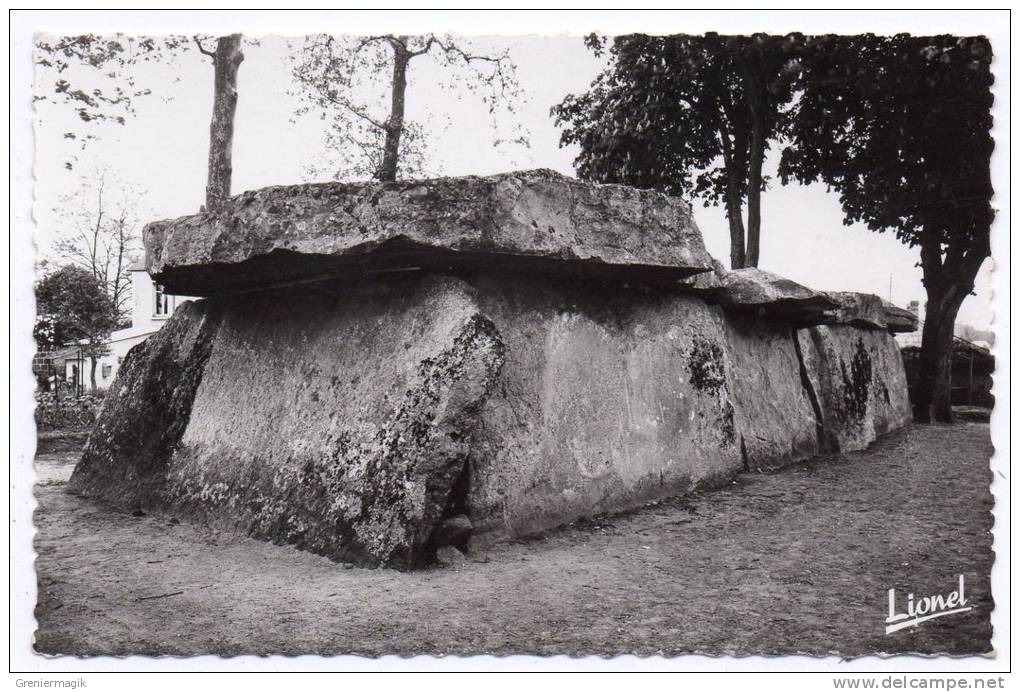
[(795, 561)]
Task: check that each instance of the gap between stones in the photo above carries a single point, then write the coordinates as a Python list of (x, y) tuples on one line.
[(805, 382)]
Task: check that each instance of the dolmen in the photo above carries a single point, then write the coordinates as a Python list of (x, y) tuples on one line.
[(376, 371)]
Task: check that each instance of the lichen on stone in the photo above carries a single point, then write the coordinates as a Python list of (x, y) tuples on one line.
[(856, 385)]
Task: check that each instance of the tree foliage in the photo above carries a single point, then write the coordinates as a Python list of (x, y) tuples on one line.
[(688, 115), (72, 306), (95, 75), (900, 128), (358, 86)]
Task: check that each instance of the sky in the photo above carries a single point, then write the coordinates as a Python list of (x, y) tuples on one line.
[(161, 153)]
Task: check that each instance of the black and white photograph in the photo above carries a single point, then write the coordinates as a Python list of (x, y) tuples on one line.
[(504, 336)]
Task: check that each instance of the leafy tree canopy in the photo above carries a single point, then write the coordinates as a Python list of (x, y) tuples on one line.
[(73, 305), (94, 74), (900, 128), (688, 115)]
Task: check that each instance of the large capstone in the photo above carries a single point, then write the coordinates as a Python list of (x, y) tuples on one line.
[(753, 290), (533, 222), (860, 309), (389, 374), (899, 320)]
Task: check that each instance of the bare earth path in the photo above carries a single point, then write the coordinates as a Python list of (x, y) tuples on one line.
[(796, 561)]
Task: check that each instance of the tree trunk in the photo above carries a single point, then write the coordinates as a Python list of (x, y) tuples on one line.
[(733, 157), (395, 123), (92, 374), (754, 183), (734, 215), (733, 202), (933, 399), (226, 61)]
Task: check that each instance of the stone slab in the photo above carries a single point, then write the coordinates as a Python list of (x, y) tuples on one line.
[(899, 320), (858, 379), (336, 422), (146, 410), (386, 370), (764, 293), (609, 399), (359, 422), (861, 309), (612, 399), (775, 417), (534, 222)]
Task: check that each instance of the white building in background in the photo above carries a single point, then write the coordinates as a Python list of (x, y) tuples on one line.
[(904, 339), (151, 307)]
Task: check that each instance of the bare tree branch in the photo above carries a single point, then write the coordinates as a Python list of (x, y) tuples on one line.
[(101, 235), (335, 75), (202, 49), (453, 49)]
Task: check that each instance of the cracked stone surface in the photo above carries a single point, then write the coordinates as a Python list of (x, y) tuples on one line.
[(534, 222), (337, 423), (762, 292), (862, 309), (858, 378)]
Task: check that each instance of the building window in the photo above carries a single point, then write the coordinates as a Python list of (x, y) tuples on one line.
[(162, 300), (107, 371)]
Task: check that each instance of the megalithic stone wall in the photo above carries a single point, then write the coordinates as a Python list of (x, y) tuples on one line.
[(857, 375), (522, 349)]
